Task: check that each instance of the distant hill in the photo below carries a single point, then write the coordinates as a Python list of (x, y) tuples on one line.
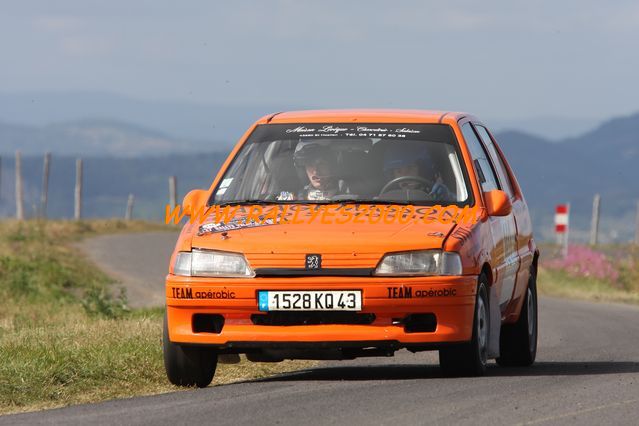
[(603, 160), (209, 122), (107, 183), (212, 121), (553, 128), (94, 137)]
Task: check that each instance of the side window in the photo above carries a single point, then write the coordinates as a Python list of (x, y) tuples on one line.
[(483, 167), (497, 161)]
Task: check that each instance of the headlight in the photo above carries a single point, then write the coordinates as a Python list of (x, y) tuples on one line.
[(208, 263), (423, 262)]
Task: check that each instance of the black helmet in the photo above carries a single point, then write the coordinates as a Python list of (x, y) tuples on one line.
[(312, 152), (402, 154)]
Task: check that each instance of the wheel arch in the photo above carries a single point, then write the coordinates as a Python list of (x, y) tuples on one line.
[(488, 271), (494, 312), (535, 261)]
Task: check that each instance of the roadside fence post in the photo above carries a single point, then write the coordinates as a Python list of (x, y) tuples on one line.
[(19, 194), (594, 223), (172, 191), (77, 212), (129, 208), (637, 225), (565, 250), (44, 194)]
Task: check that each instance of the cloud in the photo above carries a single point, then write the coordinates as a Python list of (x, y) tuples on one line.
[(86, 46), (57, 23), (331, 52), (72, 35)]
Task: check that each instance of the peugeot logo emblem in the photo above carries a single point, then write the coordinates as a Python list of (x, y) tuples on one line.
[(313, 261)]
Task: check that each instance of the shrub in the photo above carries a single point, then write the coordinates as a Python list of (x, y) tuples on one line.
[(582, 261), (98, 302)]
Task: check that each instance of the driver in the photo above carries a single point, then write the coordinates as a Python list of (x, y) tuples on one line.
[(402, 160), (318, 164)]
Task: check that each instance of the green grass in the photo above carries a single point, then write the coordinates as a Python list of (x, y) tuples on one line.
[(625, 289), (92, 359), (561, 284), (68, 337), (66, 333)]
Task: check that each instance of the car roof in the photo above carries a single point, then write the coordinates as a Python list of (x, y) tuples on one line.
[(363, 115)]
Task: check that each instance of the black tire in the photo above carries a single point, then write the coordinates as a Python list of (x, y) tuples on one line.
[(518, 341), (188, 365), (470, 359)]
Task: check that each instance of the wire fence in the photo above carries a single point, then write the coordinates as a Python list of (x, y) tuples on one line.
[(148, 176)]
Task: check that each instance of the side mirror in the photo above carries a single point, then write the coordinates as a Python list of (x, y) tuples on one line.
[(193, 201), (497, 203)]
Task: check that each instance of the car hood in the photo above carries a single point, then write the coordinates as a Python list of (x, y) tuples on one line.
[(341, 245)]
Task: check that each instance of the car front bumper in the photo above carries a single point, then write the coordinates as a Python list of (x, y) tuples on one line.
[(450, 299)]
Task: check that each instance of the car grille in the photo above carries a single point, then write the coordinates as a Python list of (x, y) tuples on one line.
[(329, 260), (312, 318)]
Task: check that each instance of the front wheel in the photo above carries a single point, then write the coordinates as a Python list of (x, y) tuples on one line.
[(470, 359), (187, 365), (518, 341)]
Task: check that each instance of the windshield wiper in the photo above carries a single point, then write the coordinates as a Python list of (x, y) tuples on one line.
[(249, 201), (260, 202), (365, 201)]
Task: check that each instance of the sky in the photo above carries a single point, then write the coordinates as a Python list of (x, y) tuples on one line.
[(505, 60)]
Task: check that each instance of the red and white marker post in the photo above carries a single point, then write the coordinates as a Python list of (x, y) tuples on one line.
[(562, 216)]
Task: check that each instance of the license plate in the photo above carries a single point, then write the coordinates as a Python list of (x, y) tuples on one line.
[(340, 300)]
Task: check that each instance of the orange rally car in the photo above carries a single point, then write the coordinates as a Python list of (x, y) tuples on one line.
[(348, 233)]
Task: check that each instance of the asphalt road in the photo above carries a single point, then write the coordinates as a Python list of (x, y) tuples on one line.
[(138, 261), (587, 373)]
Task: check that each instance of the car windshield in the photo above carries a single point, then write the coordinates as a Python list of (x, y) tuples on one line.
[(346, 162)]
